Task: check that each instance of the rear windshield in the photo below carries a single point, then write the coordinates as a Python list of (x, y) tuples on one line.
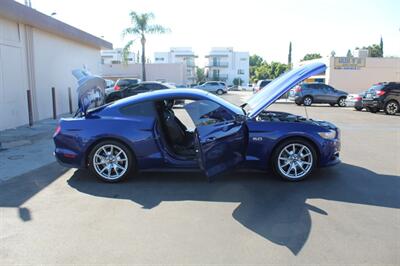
[(376, 88)]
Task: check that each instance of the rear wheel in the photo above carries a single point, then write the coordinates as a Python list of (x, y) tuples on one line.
[(294, 159), (342, 102), (307, 101), (111, 161), (392, 107), (220, 92)]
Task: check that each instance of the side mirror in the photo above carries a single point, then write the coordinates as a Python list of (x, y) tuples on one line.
[(240, 118)]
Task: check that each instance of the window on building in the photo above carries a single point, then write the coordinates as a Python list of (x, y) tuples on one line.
[(159, 58), (243, 59), (240, 71)]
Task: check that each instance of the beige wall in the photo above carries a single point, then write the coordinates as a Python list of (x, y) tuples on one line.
[(175, 73), (13, 77), (34, 59), (355, 81), (55, 58)]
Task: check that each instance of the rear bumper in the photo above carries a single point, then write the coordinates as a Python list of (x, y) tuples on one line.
[(355, 104), (68, 158), (373, 104)]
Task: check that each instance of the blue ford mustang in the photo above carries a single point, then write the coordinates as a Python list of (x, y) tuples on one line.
[(146, 132)]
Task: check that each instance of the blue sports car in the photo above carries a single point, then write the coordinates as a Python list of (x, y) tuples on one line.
[(146, 132)]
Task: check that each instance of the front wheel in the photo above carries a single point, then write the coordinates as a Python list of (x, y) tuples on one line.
[(294, 159), (111, 161), (392, 107)]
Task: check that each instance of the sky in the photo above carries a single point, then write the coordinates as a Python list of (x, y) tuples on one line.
[(260, 27)]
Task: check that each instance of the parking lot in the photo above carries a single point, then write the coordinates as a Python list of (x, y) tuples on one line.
[(347, 214)]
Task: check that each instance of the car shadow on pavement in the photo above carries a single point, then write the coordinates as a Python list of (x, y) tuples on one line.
[(16, 191), (276, 210)]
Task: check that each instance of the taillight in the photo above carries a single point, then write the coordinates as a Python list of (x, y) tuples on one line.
[(58, 129), (357, 98), (297, 89), (379, 93), (116, 88)]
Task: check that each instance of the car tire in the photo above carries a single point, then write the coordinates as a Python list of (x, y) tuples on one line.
[(358, 108), (282, 155), (342, 102), (111, 161), (332, 104), (392, 107), (307, 101), (220, 92)]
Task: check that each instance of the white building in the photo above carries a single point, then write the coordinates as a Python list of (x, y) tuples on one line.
[(116, 56), (183, 55), (38, 52), (172, 73), (224, 64)]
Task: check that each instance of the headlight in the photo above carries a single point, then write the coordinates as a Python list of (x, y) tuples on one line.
[(331, 134)]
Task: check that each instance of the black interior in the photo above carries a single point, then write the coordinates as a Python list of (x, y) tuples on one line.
[(178, 138)]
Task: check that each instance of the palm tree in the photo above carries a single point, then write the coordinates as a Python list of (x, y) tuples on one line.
[(139, 28)]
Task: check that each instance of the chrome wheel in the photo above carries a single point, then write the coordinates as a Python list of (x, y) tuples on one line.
[(342, 102), (392, 108), (307, 101), (295, 160), (110, 162)]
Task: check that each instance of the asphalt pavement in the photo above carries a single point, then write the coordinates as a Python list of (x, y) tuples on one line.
[(347, 214)]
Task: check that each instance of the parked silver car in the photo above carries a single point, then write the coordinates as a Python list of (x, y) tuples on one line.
[(217, 87)]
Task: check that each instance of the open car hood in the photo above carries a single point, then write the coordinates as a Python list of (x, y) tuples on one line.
[(91, 90), (279, 86)]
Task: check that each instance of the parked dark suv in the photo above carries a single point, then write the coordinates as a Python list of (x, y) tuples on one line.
[(309, 93), (383, 96), (134, 89)]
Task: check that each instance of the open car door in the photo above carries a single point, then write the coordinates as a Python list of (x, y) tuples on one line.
[(221, 136)]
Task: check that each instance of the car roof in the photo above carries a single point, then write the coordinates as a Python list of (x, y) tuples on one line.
[(172, 93)]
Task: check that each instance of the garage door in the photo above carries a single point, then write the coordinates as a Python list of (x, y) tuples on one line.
[(13, 79)]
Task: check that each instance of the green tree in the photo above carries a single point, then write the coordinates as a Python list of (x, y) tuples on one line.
[(374, 50), (140, 27), (255, 60), (311, 57), (237, 81), (290, 56), (200, 76), (349, 54), (269, 71)]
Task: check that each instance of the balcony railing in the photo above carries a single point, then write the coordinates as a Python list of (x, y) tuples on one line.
[(219, 77), (218, 64)]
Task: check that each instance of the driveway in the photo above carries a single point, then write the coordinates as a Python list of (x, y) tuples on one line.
[(348, 214)]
